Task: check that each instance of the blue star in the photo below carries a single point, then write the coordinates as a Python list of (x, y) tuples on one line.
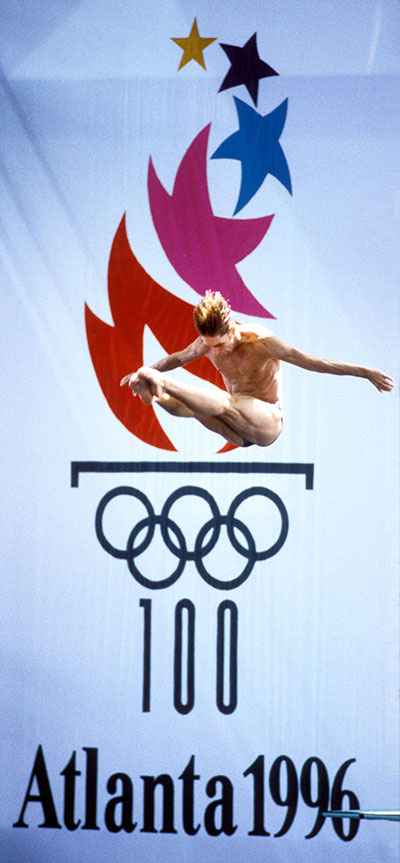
[(256, 145)]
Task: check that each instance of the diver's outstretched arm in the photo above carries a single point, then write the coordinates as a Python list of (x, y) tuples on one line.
[(289, 354)]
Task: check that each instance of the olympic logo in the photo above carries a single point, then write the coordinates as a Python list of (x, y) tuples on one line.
[(176, 543)]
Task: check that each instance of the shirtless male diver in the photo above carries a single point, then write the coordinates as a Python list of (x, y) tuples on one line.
[(249, 360)]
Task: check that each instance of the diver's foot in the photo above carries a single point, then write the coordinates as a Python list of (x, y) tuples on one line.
[(153, 379), (143, 390)]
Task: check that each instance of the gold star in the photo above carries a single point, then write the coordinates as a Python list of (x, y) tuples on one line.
[(193, 47)]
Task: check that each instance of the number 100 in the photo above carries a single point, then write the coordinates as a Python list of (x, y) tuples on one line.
[(184, 656)]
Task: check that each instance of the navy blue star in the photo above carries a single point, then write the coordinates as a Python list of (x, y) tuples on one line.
[(256, 145), (246, 67)]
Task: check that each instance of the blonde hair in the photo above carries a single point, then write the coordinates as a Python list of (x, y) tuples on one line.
[(212, 315)]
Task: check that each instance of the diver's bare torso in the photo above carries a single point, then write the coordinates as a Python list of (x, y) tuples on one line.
[(247, 367)]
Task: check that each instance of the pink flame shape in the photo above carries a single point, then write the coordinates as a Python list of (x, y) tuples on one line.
[(204, 248)]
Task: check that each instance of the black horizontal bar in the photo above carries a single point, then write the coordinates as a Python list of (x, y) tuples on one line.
[(78, 467)]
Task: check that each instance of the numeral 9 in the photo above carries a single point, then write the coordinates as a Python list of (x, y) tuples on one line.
[(321, 800), (292, 790)]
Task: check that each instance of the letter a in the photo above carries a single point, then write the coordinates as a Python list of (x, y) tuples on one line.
[(226, 805), (45, 797)]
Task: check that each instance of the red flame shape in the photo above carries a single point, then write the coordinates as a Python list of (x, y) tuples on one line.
[(136, 300)]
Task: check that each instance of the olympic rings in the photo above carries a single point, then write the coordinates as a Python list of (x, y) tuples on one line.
[(201, 548)]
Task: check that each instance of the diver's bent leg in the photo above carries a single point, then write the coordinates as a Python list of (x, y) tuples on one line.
[(208, 402), (218, 425), (245, 416), (173, 406), (215, 424), (238, 417), (258, 421)]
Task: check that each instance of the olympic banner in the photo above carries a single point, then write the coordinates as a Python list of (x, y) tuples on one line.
[(200, 639)]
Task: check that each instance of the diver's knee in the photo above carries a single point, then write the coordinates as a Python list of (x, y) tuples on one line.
[(266, 439)]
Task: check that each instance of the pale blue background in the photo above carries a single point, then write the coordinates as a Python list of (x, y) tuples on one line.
[(88, 92)]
